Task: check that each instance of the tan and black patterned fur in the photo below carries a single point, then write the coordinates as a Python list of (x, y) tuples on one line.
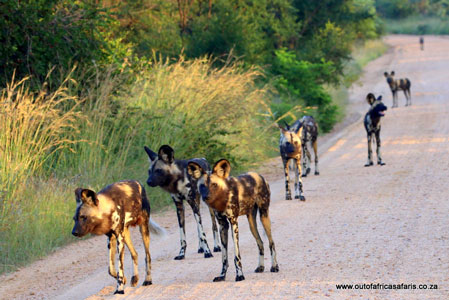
[(170, 174), (231, 197), (399, 85), (111, 212), (290, 146)]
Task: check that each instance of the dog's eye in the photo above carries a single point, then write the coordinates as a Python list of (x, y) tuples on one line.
[(83, 218), (214, 185)]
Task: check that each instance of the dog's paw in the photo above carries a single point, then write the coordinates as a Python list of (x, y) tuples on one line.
[(147, 282), (274, 269), (317, 173), (304, 175), (217, 249), (239, 278), (259, 269), (381, 163), (179, 257), (288, 197), (302, 198), (208, 254), (134, 280), (219, 278), (369, 164), (122, 292), (307, 171)]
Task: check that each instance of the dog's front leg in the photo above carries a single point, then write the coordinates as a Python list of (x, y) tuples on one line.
[(288, 195), (237, 259), (112, 245), (203, 247), (182, 230), (370, 151), (121, 275), (224, 226), (215, 230), (379, 156)]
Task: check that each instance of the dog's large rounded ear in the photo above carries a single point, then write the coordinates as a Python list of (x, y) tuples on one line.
[(392, 73), (385, 74), (379, 98), (151, 154), (222, 168), (283, 130), (166, 154), (370, 98), (86, 196), (195, 170)]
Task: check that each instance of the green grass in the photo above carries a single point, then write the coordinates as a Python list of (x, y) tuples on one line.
[(53, 143), (418, 25)]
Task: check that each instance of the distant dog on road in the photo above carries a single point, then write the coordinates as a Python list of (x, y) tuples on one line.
[(111, 212), (290, 146), (231, 197), (372, 126), (399, 85), (309, 136), (171, 176)]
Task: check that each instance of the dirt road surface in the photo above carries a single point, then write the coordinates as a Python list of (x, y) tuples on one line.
[(387, 225)]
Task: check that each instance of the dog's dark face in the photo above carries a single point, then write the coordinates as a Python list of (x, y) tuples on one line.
[(162, 166), (290, 141), (212, 186), (390, 77), (378, 108), (87, 216)]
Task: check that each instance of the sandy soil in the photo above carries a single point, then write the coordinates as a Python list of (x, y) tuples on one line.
[(359, 225)]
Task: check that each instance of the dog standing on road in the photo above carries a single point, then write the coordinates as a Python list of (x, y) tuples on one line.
[(399, 85), (290, 146), (372, 126), (111, 212), (171, 176), (231, 197), (309, 136)]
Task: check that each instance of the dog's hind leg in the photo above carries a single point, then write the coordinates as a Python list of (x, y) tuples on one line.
[(406, 97), (132, 251), (266, 223), (298, 180), (145, 232), (253, 227), (379, 156), (288, 195), (182, 230), (370, 151), (203, 247), (307, 158), (315, 150), (224, 227), (215, 230)]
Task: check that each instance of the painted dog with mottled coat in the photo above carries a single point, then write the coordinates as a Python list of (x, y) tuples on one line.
[(171, 175), (231, 197), (399, 85), (290, 146), (111, 212), (372, 126), (309, 136)]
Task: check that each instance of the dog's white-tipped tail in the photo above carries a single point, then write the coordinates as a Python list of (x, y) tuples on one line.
[(156, 229)]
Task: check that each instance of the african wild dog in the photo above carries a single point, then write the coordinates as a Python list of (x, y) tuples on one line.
[(372, 126), (309, 135), (111, 211), (171, 176), (291, 148), (231, 197), (398, 85)]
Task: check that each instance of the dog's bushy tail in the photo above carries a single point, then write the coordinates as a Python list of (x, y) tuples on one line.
[(155, 228)]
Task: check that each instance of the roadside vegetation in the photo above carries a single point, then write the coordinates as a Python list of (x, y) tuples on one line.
[(85, 87), (414, 17)]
